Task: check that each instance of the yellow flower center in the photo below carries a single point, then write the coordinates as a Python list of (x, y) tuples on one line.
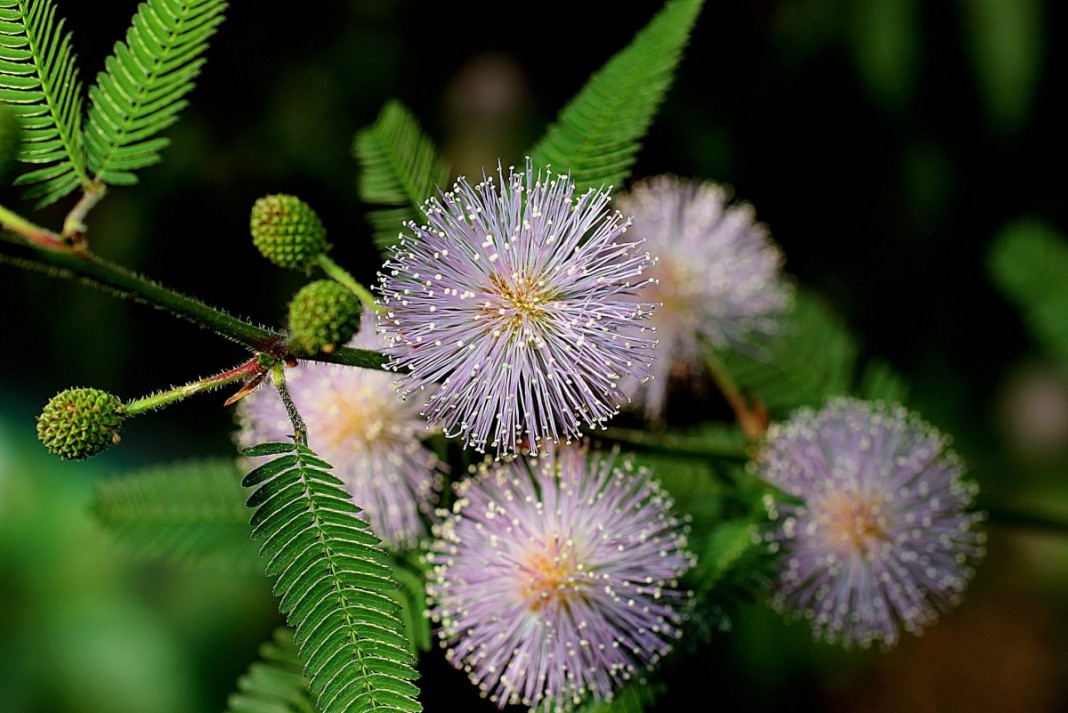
[(356, 419), (851, 520), (521, 298), (550, 574)]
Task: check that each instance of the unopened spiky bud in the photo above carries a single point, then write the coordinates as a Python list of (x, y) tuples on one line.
[(78, 423), (322, 315), (287, 231)]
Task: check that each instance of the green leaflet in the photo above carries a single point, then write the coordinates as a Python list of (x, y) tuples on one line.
[(39, 80), (636, 697), (1006, 42), (596, 136), (141, 91), (1028, 262), (334, 584), (882, 382), (815, 356), (411, 595), (399, 169), (189, 512), (274, 684)]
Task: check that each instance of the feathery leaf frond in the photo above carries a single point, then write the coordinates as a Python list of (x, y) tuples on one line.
[(333, 581), (399, 169), (39, 80), (274, 684), (636, 697), (1028, 262), (597, 135), (411, 596), (141, 91), (185, 512), (815, 356), (882, 382)]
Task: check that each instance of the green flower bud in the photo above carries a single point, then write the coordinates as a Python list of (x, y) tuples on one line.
[(322, 315), (78, 423), (287, 231), (10, 136)]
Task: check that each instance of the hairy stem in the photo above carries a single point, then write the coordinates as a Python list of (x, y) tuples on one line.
[(32, 234), (278, 379), (51, 255), (251, 369), (673, 444)]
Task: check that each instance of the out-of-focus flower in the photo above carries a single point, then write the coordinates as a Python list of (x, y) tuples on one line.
[(357, 423), (520, 301), (719, 276), (555, 578), (876, 535)]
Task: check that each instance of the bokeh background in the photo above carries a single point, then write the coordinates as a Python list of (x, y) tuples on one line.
[(884, 142)]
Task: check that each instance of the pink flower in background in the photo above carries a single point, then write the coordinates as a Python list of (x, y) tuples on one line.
[(718, 276), (875, 532)]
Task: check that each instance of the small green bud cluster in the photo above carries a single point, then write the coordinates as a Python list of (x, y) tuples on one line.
[(322, 315), (287, 231), (78, 423)]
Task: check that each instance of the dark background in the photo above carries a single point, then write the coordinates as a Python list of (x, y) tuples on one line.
[(884, 142)]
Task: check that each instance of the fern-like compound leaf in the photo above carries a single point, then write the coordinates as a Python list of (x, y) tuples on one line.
[(597, 135), (274, 684), (39, 80), (142, 89), (190, 512), (815, 356), (1028, 262), (334, 584), (411, 596), (399, 169), (636, 697)]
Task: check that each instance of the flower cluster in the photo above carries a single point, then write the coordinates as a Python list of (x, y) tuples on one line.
[(718, 276), (520, 301), (876, 535), (555, 578), (356, 422)]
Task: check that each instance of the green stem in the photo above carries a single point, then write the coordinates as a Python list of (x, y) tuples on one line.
[(278, 379), (120, 281), (249, 370), (752, 421), (35, 235), (53, 256), (1028, 519), (341, 275), (74, 224), (673, 444), (351, 356)]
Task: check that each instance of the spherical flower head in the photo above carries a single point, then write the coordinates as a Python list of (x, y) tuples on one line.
[(322, 315), (78, 423), (718, 276), (555, 578), (876, 535), (520, 301), (287, 231), (357, 423)]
